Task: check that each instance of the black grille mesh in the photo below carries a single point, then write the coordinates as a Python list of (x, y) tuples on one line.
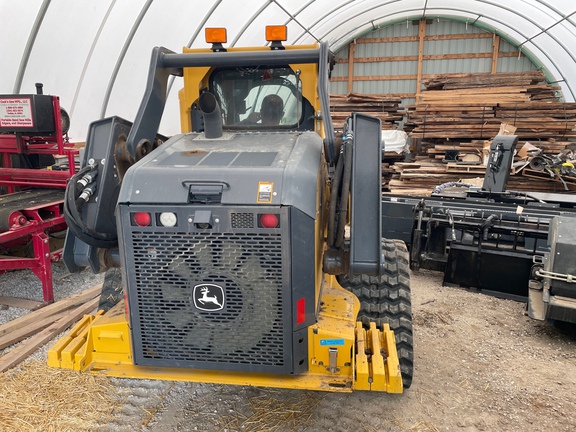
[(247, 331), (242, 220)]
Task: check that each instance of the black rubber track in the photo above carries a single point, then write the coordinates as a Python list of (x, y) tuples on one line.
[(111, 290), (386, 299)]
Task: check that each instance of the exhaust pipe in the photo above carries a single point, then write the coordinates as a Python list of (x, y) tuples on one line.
[(212, 115)]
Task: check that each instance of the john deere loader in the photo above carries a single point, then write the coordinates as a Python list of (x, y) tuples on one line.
[(239, 251)]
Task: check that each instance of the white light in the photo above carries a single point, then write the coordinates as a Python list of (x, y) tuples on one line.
[(168, 219)]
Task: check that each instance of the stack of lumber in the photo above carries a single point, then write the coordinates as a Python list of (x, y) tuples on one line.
[(472, 106), (387, 174), (438, 151), (424, 174), (42, 325), (384, 107)]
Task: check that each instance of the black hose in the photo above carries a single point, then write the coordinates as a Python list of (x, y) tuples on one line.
[(334, 196), (345, 193), (72, 215)]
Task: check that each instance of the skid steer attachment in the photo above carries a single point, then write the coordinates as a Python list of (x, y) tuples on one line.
[(229, 240)]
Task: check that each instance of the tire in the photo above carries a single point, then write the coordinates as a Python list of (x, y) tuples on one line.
[(112, 291), (386, 299), (65, 121), (538, 163)]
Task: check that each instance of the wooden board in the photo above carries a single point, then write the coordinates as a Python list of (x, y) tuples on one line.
[(21, 303), (49, 310), (464, 168), (470, 106), (28, 347)]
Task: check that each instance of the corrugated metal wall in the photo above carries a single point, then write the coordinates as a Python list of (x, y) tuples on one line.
[(386, 60)]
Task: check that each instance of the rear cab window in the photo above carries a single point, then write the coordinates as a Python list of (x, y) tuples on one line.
[(264, 97)]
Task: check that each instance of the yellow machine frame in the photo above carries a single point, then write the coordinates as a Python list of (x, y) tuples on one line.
[(343, 356)]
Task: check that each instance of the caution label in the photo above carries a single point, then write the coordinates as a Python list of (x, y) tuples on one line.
[(265, 191)]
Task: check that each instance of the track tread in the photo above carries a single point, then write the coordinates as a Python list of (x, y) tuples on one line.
[(386, 299), (111, 289)]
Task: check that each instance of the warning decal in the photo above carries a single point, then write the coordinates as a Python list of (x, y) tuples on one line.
[(16, 112), (265, 190)]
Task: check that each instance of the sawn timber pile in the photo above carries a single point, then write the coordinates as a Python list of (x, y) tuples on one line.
[(384, 107), (473, 106)]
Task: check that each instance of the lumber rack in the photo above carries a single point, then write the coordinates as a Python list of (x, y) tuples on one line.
[(33, 135)]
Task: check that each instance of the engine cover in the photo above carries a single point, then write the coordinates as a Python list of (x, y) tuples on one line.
[(220, 289), (276, 168)]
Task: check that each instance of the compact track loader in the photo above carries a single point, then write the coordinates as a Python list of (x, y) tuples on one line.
[(247, 252)]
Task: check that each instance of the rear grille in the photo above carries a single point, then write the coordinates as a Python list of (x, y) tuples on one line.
[(246, 334), (242, 220)]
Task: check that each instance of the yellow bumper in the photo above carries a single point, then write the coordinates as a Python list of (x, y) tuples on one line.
[(343, 356)]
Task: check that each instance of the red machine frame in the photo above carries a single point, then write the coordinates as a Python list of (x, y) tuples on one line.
[(33, 223)]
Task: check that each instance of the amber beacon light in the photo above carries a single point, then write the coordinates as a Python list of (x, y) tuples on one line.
[(215, 35), (277, 33)]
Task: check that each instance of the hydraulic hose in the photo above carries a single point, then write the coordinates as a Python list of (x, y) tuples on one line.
[(345, 193), (75, 198), (334, 196)]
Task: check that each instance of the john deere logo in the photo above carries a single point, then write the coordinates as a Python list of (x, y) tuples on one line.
[(208, 297)]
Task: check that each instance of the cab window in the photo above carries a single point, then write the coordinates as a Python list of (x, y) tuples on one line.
[(258, 97)]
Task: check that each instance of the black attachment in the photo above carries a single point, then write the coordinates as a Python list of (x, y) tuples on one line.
[(366, 195), (500, 162)]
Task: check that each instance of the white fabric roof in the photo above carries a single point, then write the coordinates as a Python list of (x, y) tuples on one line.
[(94, 54)]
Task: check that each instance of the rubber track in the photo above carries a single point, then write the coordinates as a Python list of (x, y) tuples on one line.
[(111, 289), (386, 299)]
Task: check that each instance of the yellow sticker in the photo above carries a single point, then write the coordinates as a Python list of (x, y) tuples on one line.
[(265, 190)]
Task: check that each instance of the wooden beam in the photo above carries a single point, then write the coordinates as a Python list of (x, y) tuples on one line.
[(495, 52), (375, 78), (351, 66), (421, 36), (21, 302), (32, 328), (49, 310), (22, 351), (430, 57), (428, 38)]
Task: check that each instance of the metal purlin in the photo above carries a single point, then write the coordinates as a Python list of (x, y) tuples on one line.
[(242, 30), (293, 17), (121, 57), (89, 57), (193, 39), (29, 44), (297, 39)]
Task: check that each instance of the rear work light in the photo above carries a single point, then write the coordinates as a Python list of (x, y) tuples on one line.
[(268, 220), (168, 219)]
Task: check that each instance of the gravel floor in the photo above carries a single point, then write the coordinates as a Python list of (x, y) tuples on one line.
[(480, 365), (25, 284)]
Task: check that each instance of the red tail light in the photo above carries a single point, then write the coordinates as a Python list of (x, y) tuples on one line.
[(269, 220), (142, 219), (301, 311)]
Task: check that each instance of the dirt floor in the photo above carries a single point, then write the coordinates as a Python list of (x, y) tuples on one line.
[(480, 365)]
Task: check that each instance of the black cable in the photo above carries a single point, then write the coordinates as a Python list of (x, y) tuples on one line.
[(73, 216), (345, 193), (334, 196)]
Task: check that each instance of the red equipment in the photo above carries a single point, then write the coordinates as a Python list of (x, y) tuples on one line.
[(33, 127)]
